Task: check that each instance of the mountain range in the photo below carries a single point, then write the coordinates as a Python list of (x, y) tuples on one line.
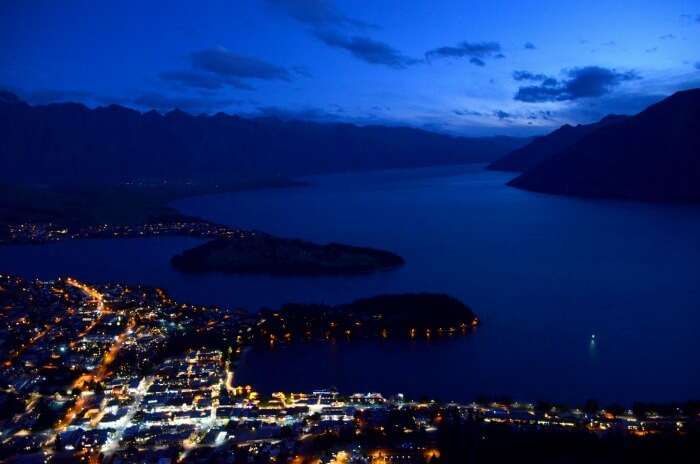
[(652, 156), (71, 143)]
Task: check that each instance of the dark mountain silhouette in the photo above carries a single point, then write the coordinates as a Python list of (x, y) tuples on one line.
[(542, 148), (653, 156), (70, 143)]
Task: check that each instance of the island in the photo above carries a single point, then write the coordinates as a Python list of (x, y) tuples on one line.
[(259, 253), (405, 315)]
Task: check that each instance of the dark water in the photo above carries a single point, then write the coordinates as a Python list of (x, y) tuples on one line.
[(544, 273)]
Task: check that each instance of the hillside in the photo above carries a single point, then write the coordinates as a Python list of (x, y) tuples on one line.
[(652, 156), (542, 148)]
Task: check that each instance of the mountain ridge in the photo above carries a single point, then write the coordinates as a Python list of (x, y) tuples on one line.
[(72, 142), (653, 156), (526, 157)]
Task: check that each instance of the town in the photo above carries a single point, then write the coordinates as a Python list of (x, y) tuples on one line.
[(45, 232), (115, 373)]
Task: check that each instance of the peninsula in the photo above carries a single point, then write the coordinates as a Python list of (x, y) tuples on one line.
[(405, 315)]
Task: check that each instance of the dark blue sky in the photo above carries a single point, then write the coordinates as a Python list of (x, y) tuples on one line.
[(475, 68)]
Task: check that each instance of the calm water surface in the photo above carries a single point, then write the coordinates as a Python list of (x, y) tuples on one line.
[(543, 273)]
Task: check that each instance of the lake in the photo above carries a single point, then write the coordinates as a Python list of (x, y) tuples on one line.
[(543, 273)]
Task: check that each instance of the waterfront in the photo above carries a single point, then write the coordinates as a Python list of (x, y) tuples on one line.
[(543, 274), (115, 373)]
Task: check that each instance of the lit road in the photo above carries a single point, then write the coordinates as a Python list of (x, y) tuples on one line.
[(101, 371), (97, 297), (112, 443)]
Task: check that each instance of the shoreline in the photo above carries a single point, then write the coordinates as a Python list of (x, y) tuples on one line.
[(238, 251)]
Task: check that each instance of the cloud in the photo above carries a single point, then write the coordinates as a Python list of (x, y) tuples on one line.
[(318, 13), (529, 46), (366, 49), (501, 115), (545, 115), (514, 119), (589, 81), (330, 25), (667, 37), (306, 114), (476, 52), (162, 102), (689, 18), (528, 76), (198, 80), (467, 113), (624, 101), (302, 71), (216, 68), (46, 96), (334, 114), (223, 63)]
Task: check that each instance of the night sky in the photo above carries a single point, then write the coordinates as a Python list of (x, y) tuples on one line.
[(464, 67)]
